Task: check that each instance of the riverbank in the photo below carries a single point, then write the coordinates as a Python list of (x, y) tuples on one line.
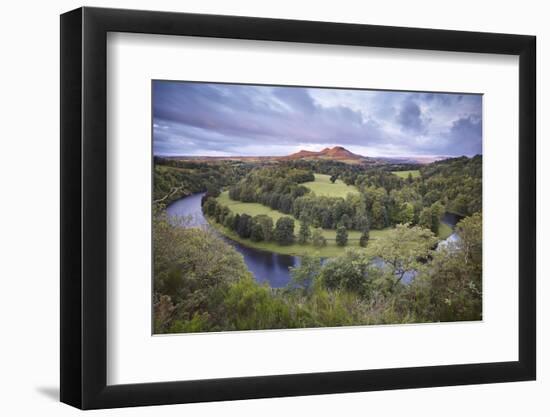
[(296, 249), (331, 250), (268, 261)]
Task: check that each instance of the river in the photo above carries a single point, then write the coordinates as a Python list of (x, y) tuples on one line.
[(265, 266)]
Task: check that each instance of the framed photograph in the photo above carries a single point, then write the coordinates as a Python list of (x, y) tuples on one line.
[(257, 208)]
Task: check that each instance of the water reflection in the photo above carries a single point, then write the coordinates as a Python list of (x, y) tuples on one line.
[(266, 266)]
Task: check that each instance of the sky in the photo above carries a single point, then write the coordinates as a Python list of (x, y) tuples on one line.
[(209, 119)]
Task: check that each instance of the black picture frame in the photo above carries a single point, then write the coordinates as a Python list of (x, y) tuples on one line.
[(84, 207)]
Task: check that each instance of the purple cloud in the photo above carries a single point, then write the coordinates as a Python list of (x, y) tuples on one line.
[(231, 119)]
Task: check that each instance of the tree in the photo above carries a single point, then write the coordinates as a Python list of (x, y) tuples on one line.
[(266, 223), (191, 266), (256, 232), (229, 220), (236, 221), (244, 226), (453, 285), (470, 232), (365, 236), (437, 211), (425, 218), (222, 214), (304, 275), (326, 220), (407, 213), (361, 222), (378, 215), (345, 220), (285, 203), (341, 235), (347, 272), (212, 190), (209, 206), (284, 231), (318, 239), (304, 233), (402, 249)]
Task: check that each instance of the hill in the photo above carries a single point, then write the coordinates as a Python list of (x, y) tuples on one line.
[(337, 153)]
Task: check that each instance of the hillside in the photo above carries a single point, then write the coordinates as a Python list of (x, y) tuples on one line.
[(337, 153)]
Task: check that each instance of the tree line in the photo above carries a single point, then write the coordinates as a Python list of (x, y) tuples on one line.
[(174, 179), (261, 228), (383, 200)]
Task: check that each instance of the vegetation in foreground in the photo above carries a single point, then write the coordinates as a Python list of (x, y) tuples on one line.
[(202, 284)]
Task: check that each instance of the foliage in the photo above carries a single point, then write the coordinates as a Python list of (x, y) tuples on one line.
[(304, 275), (341, 236), (403, 249), (347, 272), (251, 306), (365, 236), (190, 267), (451, 289), (174, 179), (304, 232), (318, 239), (202, 284), (284, 231)]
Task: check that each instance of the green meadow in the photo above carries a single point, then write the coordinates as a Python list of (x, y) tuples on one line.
[(331, 250), (405, 174), (323, 187)]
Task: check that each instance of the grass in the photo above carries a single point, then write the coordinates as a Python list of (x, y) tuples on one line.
[(323, 187), (254, 209), (405, 174), (330, 251)]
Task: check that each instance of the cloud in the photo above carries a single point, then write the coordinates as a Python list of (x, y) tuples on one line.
[(410, 117), (231, 119), (465, 136)]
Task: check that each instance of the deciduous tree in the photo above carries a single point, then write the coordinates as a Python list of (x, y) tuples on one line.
[(341, 235), (403, 248), (284, 231)]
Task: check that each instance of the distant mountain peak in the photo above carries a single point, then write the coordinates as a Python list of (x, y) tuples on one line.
[(337, 153)]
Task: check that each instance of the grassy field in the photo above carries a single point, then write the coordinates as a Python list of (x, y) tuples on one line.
[(323, 187), (254, 209), (329, 251), (405, 174)]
